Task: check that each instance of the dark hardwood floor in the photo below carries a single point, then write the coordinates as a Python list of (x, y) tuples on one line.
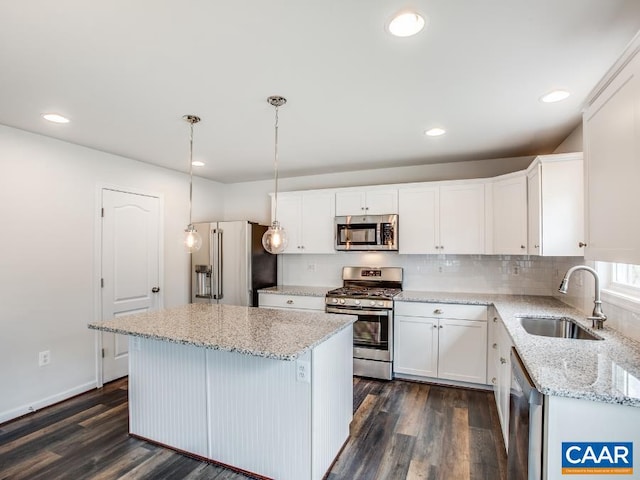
[(401, 430)]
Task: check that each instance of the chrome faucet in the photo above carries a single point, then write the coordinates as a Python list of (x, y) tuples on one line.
[(597, 317)]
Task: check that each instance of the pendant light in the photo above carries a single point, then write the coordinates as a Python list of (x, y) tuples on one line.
[(192, 239), (275, 238)]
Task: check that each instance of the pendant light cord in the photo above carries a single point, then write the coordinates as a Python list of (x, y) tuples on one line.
[(190, 170), (275, 167)]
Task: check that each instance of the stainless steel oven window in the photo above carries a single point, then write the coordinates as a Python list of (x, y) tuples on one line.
[(360, 234), (372, 330)]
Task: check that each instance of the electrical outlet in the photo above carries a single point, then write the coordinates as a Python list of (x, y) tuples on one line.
[(44, 358), (516, 270), (311, 267), (440, 269), (303, 371)]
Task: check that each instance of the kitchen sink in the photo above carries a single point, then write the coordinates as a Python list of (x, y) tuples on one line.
[(558, 327)]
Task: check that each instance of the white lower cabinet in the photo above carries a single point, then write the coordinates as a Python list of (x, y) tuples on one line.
[(500, 371), (443, 341), (290, 302)]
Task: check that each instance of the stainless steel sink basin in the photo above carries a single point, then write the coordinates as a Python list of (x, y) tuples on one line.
[(558, 327)]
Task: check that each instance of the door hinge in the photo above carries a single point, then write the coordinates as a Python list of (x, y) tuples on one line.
[(103, 353), (102, 212), (102, 283)]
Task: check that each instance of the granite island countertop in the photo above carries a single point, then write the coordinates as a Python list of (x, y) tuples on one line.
[(276, 334), (605, 371)]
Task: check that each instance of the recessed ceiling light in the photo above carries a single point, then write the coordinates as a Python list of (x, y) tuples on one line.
[(435, 132), (406, 24), (55, 118), (554, 96), (197, 163)]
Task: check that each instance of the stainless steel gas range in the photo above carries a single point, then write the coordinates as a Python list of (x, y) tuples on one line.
[(368, 293)]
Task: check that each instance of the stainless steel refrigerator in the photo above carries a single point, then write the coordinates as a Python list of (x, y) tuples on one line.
[(232, 265)]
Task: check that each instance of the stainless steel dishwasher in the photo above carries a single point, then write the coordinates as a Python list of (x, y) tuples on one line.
[(525, 424)]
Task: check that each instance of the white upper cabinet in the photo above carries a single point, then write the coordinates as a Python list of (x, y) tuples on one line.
[(556, 205), (509, 200), (462, 219), (441, 219), (418, 220), (612, 166), (308, 219), (367, 201)]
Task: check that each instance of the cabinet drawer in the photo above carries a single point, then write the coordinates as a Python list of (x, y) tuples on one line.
[(300, 302), (441, 310)]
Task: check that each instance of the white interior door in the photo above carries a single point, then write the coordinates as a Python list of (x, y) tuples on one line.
[(130, 268)]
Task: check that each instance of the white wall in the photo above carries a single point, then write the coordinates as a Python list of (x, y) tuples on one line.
[(48, 210), (573, 143)]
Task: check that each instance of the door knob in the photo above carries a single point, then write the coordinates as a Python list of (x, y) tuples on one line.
[(155, 289)]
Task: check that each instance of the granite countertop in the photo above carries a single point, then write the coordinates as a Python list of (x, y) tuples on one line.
[(605, 371), (276, 334), (297, 290)]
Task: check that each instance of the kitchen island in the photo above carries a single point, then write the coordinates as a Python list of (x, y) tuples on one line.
[(262, 391)]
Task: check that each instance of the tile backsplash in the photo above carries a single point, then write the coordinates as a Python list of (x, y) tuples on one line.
[(509, 274), (445, 273)]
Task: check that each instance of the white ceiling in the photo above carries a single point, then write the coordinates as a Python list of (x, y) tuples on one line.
[(126, 71)]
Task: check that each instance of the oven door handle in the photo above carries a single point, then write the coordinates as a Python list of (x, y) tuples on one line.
[(378, 313)]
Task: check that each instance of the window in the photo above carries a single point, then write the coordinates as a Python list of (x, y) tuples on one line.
[(620, 283), (626, 276)]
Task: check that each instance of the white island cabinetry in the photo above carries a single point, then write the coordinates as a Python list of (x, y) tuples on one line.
[(443, 341), (261, 391)]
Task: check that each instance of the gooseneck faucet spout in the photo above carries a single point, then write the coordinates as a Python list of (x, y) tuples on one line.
[(597, 317)]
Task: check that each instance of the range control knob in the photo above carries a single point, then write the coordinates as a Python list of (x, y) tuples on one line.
[(381, 303), (342, 301), (357, 302), (335, 300), (373, 302)]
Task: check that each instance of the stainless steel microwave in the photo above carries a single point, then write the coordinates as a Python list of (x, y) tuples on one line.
[(367, 232)]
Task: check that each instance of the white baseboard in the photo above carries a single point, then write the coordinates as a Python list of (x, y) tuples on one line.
[(45, 402)]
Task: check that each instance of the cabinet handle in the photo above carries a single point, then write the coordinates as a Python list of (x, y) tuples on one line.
[(289, 302), (435, 326), (495, 319), (495, 345), (493, 380), (437, 311), (536, 246), (441, 247), (582, 244), (440, 326), (503, 360), (522, 247)]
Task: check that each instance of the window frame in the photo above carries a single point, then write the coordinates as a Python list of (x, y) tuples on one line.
[(619, 294)]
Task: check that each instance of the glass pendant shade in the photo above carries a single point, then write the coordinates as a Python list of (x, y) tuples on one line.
[(275, 239), (192, 239)]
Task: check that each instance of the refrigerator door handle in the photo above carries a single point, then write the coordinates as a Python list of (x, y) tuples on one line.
[(220, 266), (215, 270)]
